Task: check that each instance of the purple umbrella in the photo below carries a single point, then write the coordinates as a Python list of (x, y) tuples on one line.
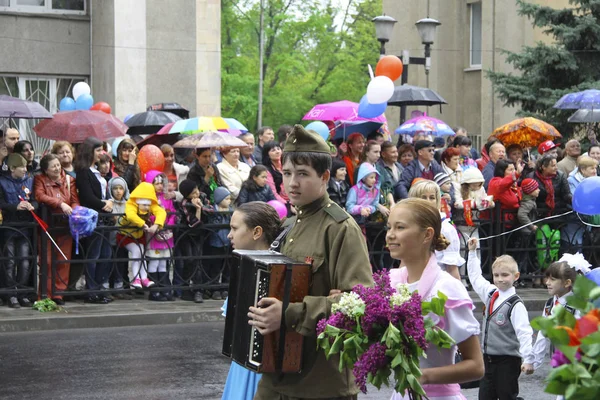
[(425, 124), (338, 111), (11, 107), (589, 99)]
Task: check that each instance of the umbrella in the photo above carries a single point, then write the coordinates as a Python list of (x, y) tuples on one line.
[(205, 124), (149, 122), (11, 107), (345, 129), (425, 124), (526, 132), (585, 115), (208, 140), (338, 111), (76, 126), (174, 108), (408, 95), (589, 99)]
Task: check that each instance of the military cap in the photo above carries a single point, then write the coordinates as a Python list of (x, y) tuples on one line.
[(16, 160), (302, 140)]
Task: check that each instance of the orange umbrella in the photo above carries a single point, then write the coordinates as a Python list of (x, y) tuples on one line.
[(526, 132)]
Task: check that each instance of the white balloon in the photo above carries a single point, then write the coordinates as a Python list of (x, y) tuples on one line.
[(80, 88), (380, 90)]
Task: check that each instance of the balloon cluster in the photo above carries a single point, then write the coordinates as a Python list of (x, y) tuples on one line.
[(82, 100), (381, 87)]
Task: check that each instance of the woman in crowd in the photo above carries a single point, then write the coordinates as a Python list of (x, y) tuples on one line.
[(205, 174), (451, 166), (93, 193), (371, 154), (233, 172), (66, 154), (125, 164), (271, 158), (254, 226), (555, 196), (57, 190), (463, 144), (175, 172), (25, 148), (406, 154), (414, 233), (594, 152), (356, 144), (255, 188)]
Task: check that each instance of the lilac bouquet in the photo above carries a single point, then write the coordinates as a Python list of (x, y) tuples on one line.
[(382, 330)]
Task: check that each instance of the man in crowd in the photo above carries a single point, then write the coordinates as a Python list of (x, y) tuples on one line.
[(496, 151), (424, 166), (7, 145), (246, 153), (265, 134), (569, 162)]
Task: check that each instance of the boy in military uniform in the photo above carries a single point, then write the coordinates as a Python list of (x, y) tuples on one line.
[(324, 235)]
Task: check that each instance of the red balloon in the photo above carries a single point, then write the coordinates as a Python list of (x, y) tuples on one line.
[(390, 66), (150, 157), (102, 106)]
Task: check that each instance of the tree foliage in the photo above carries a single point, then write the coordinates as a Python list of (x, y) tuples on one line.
[(315, 52), (548, 71)]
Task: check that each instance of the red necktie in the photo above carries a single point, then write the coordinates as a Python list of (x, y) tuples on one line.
[(494, 297), (556, 302)]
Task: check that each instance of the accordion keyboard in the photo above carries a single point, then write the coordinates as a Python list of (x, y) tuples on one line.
[(256, 339)]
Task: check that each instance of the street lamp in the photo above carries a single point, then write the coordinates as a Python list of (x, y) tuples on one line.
[(427, 27)]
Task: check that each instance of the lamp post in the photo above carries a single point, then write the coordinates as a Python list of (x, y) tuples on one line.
[(384, 25)]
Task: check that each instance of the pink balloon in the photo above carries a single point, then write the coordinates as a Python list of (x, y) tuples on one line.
[(279, 207)]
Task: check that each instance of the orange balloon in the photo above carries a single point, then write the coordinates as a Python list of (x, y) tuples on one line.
[(390, 66), (150, 157), (102, 106)]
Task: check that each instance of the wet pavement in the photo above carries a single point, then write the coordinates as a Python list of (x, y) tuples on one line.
[(178, 362)]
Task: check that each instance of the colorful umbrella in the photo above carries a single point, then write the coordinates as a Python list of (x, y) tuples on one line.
[(427, 125), (208, 140), (76, 126), (526, 132), (589, 99), (338, 111), (204, 124)]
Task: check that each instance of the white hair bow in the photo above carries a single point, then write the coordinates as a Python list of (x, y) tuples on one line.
[(577, 262)]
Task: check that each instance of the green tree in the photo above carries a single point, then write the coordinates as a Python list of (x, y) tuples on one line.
[(314, 53), (548, 71)]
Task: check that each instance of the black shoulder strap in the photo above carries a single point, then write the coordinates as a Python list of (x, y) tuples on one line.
[(276, 245), (512, 302), (548, 306)]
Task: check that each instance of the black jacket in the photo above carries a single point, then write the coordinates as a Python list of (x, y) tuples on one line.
[(247, 195), (562, 195), (197, 174), (90, 191), (338, 193)]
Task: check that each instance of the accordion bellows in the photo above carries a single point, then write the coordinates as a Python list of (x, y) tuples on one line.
[(254, 275)]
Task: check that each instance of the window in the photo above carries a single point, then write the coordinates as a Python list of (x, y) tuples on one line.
[(48, 91), (44, 6), (475, 39)]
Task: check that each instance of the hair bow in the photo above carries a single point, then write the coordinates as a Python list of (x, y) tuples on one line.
[(577, 262)]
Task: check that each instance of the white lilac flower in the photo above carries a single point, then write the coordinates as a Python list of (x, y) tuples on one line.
[(350, 304), (401, 296)]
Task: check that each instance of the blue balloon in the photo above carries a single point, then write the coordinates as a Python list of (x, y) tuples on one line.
[(84, 102), (368, 110), (320, 127), (66, 104), (127, 117), (585, 198)]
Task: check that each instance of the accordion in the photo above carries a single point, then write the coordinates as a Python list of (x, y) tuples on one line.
[(256, 274)]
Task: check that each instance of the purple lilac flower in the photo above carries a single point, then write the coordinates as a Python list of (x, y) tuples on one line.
[(377, 311), (338, 320), (383, 283), (410, 317), (371, 361), (558, 359)]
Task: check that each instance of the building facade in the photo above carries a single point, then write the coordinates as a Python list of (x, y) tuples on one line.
[(133, 53), (469, 42)]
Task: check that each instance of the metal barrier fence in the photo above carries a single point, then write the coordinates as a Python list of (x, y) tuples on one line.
[(199, 258)]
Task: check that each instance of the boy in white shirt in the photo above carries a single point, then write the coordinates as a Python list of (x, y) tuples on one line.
[(506, 333)]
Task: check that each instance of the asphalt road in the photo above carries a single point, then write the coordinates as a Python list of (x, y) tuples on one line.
[(180, 361)]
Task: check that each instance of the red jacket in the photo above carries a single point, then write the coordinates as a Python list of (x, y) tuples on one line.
[(53, 194), (507, 193)]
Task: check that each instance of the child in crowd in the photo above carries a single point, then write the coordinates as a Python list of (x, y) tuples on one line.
[(142, 205), (363, 198), (507, 334), (449, 259), (337, 188), (255, 188), (119, 194), (560, 277), (160, 245), (219, 242), (443, 181), (105, 166), (526, 214), (191, 207)]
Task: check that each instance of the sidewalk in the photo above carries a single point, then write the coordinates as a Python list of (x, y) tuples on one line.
[(77, 314)]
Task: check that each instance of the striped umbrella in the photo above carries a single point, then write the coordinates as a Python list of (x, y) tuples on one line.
[(203, 124)]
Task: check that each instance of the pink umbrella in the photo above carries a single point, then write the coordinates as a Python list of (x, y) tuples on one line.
[(344, 110), (165, 129), (76, 126)]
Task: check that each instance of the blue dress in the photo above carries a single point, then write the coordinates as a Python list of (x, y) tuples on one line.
[(241, 383)]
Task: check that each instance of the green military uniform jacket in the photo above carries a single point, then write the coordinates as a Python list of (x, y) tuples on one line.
[(326, 236)]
